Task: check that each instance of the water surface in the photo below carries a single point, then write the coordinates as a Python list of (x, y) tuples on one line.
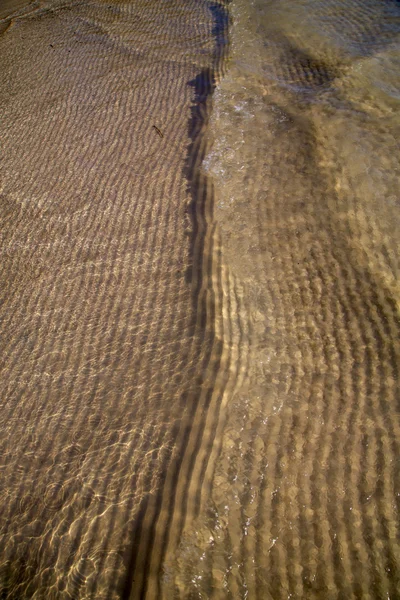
[(200, 299)]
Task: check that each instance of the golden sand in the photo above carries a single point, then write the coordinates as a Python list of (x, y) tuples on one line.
[(199, 365)]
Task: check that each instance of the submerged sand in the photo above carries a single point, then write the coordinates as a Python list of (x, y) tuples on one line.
[(200, 348), (109, 350)]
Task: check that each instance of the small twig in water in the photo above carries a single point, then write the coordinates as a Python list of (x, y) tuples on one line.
[(158, 131)]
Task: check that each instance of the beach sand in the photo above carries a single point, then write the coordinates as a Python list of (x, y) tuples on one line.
[(110, 355), (199, 301)]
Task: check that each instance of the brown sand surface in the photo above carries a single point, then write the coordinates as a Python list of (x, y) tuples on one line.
[(8, 8), (109, 351), (200, 344), (304, 491)]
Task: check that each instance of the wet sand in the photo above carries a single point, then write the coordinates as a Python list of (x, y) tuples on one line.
[(304, 496), (110, 353), (200, 341)]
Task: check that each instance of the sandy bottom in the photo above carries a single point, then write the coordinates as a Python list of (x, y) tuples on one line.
[(109, 348), (200, 342)]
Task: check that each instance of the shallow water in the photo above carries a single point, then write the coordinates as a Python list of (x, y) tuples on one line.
[(200, 300), (305, 164)]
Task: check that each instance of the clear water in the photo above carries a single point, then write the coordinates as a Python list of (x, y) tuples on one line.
[(305, 165), (200, 300)]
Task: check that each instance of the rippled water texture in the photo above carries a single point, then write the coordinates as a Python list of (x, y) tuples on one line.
[(200, 299)]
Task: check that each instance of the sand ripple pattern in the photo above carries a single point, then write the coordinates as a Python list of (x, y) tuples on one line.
[(305, 492), (109, 290), (200, 362)]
